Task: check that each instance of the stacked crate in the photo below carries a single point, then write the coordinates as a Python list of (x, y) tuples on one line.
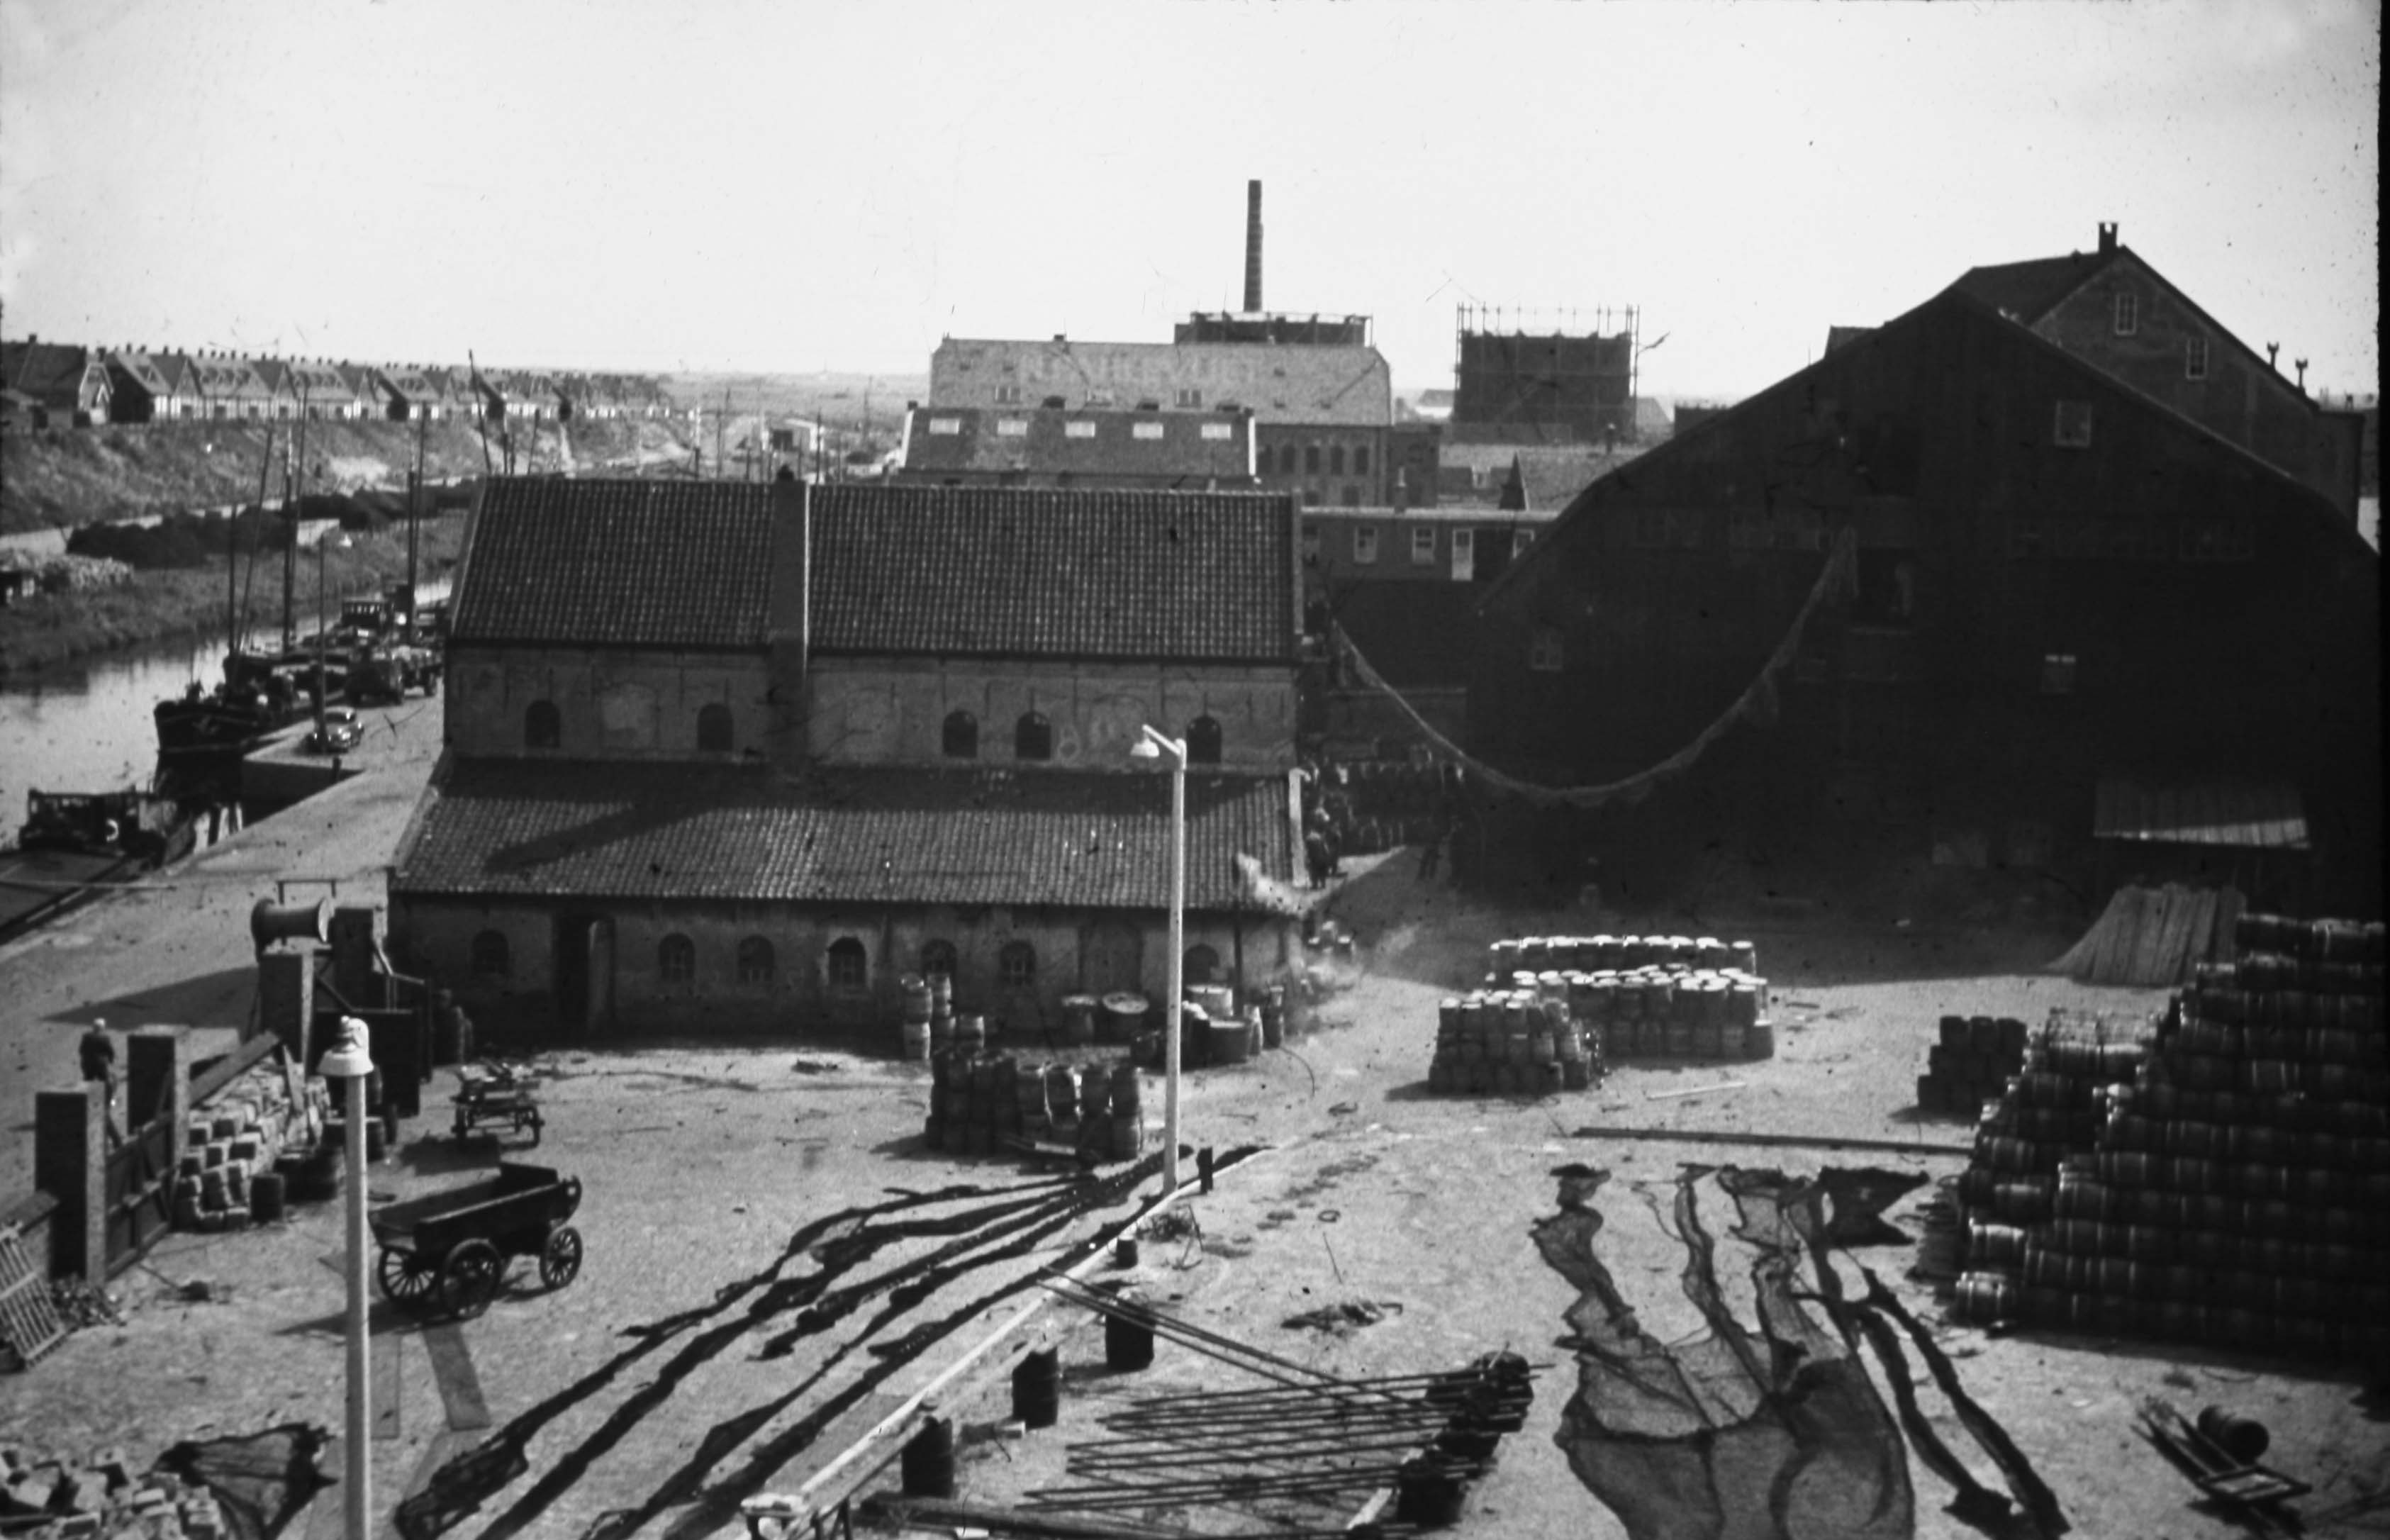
[(1972, 1063), (2239, 1190), (243, 1133)]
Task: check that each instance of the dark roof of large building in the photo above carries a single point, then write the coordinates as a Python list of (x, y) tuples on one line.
[(50, 372), (1329, 385), (909, 570), (144, 371), (876, 835), (1080, 443), (618, 563), (2028, 290)]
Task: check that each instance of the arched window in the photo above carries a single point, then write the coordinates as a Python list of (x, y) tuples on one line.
[(676, 959), (850, 966), (1203, 741), (755, 961), (1286, 460), (1032, 737), (938, 956), (961, 737), (1336, 459), (1202, 965), (543, 726), (1311, 459), (1016, 966), (714, 728), (490, 955)]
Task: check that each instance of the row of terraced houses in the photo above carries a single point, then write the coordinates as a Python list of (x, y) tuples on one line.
[(61, 384)]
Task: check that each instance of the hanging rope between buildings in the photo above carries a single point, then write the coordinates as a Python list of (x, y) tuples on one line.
[(1757, 703)]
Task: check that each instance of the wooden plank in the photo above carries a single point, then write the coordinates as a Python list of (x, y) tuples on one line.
[(452, 1370)]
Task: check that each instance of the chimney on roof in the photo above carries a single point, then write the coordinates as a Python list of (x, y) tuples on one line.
[(2107, 236), (2271, 349), (2301, 365), (1253, 246)]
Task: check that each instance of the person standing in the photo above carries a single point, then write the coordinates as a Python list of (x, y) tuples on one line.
[(98, 1054)]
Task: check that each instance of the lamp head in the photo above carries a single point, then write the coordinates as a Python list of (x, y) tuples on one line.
[(348, 1057), (1143, 749)]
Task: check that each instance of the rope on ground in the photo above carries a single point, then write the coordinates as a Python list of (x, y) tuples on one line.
[(1757, 704)]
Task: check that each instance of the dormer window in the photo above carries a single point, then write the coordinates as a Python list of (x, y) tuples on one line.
[(1008, 395), (1192, 399), (1149, 405), (2128, 315)]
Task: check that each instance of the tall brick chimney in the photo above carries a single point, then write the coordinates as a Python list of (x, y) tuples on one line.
[(2107, 236), (1253, 248)]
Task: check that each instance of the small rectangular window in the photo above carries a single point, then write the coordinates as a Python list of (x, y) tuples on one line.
[(1544, 650), (1012, 428), (1190, 398), (1351, 497), (1218, 431), (1079, 427), (1008, 395), (944, 425), (2058, 673), (2194, 358), (1520, 540), (1464, 555), (1360, 459), (2071, 425), (2128, 315), (1311, 459), (1424, 547), (1144, 429), (1364, 544)]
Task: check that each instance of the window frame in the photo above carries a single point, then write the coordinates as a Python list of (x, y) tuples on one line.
[(1546, 651), (2066, 434), (1016, 965), (1364, 544), (846, 966), (1078, 428), (1189, 397), (1423, 545), (2128, 317), (1033, 731), (938, 949), (2194, 358), (2060, 674), (1205, 740), (676, 959), (959, 726), (757, 962)]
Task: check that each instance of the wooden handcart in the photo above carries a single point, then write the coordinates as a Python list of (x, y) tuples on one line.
[(499, 1094), (449, 1249)]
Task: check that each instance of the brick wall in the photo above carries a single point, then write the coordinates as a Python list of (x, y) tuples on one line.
[(610, 704)]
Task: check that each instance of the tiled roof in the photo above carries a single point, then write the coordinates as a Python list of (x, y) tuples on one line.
[(618, 563), (224, 378), (318, 382), (949, 571), (1107, 444), (144, 372), (52, 372), (513, 829), (1553, 481), (411, 385), (1329, 385), (2028, 289), (897, 570)]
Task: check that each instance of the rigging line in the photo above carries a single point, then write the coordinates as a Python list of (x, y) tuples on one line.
[(1837, 574)]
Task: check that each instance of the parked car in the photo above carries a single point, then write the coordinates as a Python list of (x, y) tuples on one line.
[(338, 732)]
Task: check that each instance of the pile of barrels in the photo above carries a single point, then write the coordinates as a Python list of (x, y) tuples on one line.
[(1647, 996), (1971, 1064), (1515, 1042), (927, 1023), (1214, 1030), (2238, 1188), (979, 1101)]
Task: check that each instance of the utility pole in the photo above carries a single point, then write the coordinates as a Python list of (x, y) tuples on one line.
[(414, 519), (720, 424)]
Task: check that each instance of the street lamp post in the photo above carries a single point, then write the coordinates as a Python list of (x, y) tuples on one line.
[(1154, 745), (349, 1059)]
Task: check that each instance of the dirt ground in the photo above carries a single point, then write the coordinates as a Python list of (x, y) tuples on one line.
[(719, 1340)]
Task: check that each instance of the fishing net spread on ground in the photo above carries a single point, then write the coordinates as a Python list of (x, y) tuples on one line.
[(259, 1481), (1763, 1422)]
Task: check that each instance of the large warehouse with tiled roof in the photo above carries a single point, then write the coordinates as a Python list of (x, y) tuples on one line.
[(723, 755)]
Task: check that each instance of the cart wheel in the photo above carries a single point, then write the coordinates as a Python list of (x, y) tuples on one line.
[(407, 1278), (469, 1279), (559, 1262)]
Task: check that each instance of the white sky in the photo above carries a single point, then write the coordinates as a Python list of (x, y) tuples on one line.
[(711, 184)]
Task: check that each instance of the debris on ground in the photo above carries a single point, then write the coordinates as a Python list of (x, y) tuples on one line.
[(79, 1304), (203, 1291), (813, 1067), (1342, 1320)]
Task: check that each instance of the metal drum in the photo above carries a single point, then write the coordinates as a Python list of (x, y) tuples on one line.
[(1984, 1298), (1995, 1245)]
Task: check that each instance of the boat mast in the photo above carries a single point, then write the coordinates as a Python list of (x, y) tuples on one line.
[(232, 556), (414, 516), (290, 551)]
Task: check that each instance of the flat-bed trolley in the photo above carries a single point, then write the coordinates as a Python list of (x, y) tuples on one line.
[(450, 1250)]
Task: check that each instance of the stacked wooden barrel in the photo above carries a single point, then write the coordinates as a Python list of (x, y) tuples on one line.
[(1972, 1063), (2238, 1188), (981, 1101)]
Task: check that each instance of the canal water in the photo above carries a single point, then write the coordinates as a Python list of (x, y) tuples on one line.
[(86, 725)]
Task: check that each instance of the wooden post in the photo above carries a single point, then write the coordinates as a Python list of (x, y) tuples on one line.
[(158, 1084), (70, 1164), (286, 997)]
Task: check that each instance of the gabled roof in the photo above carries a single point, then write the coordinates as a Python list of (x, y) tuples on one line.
[(224, 378), (2029, 291), (272, 372), (50, 372), (1106, 443), (411, 385), (896, 571), (1014, 573), (358, 378), (1549, 482), (876, 835), (144, 371), (316, 382), (619, 563), (1891, 332), (1329, 385)]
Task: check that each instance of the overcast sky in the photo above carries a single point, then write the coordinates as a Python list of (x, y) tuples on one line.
[(792, 187)]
